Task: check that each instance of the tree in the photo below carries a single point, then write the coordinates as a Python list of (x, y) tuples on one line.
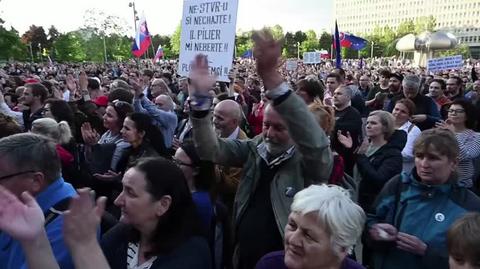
[(243, 43), (53, 34), (423, 24), (311, 43), (325, 41), (11, 46), (37, 38), (462, 49), (290, 46), (277, 31), (69, 48), (300, 36), (405, 28), (175, 40)]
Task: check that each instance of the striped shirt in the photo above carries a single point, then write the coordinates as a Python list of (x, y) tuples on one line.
[(132, 258), (469, 143)]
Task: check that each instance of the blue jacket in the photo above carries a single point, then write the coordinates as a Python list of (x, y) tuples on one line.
[(165, 121), (11, 253), (423, 211)]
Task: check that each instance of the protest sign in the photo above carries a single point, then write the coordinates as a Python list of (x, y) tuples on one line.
[(291, 65), (311, 57), (446, 63), (208, 27)]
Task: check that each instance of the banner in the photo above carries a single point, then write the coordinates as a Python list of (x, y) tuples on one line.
[(208, 27), (291, 65), (312, 57), (446, 63)]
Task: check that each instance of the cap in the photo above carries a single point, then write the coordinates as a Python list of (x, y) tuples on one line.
[(101, 101)]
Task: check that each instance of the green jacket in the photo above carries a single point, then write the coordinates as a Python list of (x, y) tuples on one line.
[(311, 163)]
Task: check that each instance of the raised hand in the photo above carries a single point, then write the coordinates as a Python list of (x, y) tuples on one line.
[(345, 140), (21, 219), (83, 82), (446, 125), (82, 219), (137, 85), (89, 135), (71, 85), (201, 79), (267, 52)]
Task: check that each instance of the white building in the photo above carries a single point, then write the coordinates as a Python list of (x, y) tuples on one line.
[(460, 17)]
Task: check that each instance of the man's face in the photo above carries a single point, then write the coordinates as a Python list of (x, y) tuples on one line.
[(223, 121), (340, 98), (435, 89), (364, 82), (158, 88), (27, 97), (275, 132), (452, 87), (394, 84), (410, 92), (332, 84), (162, 103), (13, 179)]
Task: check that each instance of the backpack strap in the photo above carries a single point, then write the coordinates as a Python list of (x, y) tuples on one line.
[(57, 210), (410, 128)]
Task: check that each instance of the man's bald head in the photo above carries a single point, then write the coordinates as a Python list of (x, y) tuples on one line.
[(164, 102), (227, 116)]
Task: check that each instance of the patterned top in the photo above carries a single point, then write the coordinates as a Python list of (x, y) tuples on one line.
[(469, 143), (132, 258)]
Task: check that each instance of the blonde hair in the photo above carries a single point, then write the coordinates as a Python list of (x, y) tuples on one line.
[(325, 116), (342, 219), (387, 120), (59, 132)]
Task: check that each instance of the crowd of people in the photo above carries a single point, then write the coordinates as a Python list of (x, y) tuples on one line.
[(129, 165)]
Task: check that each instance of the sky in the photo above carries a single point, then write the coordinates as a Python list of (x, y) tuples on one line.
[(164, 15)]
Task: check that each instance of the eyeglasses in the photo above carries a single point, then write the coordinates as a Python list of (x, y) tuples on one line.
[(456, 111), (180, 163), (17, 174)]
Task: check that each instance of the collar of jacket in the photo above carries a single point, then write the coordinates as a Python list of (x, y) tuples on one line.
[(262, 151)]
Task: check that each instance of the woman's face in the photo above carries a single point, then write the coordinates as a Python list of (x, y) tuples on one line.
[(304, 96), (434, 168), (110, 118), (460, 264), (374, 128), (307, 244), (185, 164), (130, 132), (139, 208), (47, 112), (401, 113), (456, 114)]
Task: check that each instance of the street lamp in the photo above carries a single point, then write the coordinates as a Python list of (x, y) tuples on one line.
[(371, 50), (132, 5), (298, 50)]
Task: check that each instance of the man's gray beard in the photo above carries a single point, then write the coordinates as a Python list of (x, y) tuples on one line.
[(276, 149)]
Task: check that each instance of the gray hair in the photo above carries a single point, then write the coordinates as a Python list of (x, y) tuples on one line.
[(387, 120), (411, 81), (60, 132), (342, 219), (32, 152)]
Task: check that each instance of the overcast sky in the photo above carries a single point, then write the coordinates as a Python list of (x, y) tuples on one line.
[(164, 15)]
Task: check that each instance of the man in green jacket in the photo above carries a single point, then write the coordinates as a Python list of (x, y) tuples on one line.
[(291, 153)]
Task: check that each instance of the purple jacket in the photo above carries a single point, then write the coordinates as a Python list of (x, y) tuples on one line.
[(274, 260)]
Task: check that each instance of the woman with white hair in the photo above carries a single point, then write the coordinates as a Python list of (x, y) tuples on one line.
[(322, 228)]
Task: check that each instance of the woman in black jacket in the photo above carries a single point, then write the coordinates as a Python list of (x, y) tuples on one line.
[(159, 226), (379, 158)]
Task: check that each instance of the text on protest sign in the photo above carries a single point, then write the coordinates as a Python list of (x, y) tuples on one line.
[(208, 27), (446, 63), (312, 57), (291, 65)]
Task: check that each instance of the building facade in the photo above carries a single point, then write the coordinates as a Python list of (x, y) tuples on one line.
[(459, 17)]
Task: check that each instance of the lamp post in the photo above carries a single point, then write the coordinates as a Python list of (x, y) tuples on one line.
[(298, 50), (371, 50), (132, 5)]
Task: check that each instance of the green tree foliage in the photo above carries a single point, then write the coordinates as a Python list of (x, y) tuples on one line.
[(277, 31), (11, 46), (175, 40), (300, 36), (325, 41), (37, 37), (461, 49), (243, 42), (290, 46), (69, 48), (423, 24), (311, 43)]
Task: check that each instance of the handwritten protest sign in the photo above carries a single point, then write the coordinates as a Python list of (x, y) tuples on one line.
[(446, 63), (208, 27), (312, 57), (291, 65)]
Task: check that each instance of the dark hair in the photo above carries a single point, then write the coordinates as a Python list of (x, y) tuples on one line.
[(463, 238), (409, 104), (312, 87), (121, 95), (205, 176), (38, 90), (337, 77), (458, 79), (340, 72), (13, 96), (93, 84), (181, 221), (61, 111), (153, 135), (123, 109), (148, 73), (442, 83), (469, 111), (385, 73)]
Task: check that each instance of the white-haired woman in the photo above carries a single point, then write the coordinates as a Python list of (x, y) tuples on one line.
[(322, 228)]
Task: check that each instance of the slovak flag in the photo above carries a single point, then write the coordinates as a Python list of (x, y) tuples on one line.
[(142, 39), (159, 54)]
